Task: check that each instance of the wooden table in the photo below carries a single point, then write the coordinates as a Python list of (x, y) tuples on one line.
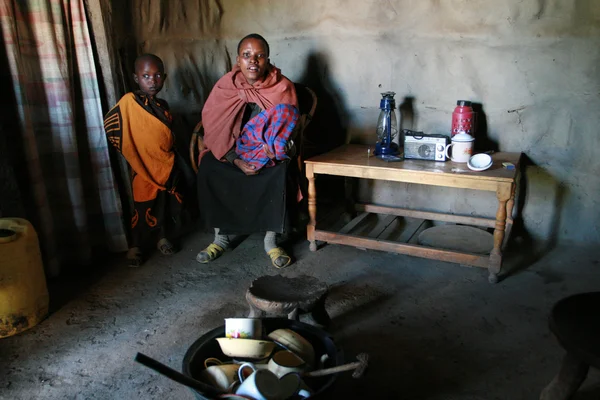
[(352, 161)]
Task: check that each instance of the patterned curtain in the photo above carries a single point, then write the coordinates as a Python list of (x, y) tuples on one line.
[(72, 196)]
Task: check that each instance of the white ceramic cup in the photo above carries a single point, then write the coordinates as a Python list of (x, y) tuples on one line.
[(262, 384), (244, 328), (221, 376), (285, 362), (462, 147)]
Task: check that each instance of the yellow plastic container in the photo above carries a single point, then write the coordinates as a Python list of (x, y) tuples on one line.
[(23, 290)]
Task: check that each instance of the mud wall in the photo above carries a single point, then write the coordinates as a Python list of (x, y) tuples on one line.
[(532, 65)]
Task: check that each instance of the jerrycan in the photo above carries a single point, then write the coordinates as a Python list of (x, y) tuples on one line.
[(23, 290)]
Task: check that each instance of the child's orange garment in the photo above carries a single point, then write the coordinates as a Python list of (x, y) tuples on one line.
[(145, 141)]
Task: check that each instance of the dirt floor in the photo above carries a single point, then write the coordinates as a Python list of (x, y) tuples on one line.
[(433, 330)]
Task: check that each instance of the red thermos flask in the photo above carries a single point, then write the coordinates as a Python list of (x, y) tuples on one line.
[(463, 118)]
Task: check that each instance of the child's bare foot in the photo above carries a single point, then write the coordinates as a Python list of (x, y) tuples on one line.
[(165, 247), (134, 256)]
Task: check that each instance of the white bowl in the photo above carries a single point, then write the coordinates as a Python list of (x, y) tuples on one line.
[(246, 348), (480, 162)]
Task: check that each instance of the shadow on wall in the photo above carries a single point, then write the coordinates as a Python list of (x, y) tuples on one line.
[(482, 142), (523, 249), (124, 45), (329, 127), (408, 116)]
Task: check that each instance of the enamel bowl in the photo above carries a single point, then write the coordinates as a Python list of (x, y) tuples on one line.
[(480, 162), (246, 348), (294, 342)]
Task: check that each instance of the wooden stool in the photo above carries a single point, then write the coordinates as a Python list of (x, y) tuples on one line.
[(575, 321), (277, 296)]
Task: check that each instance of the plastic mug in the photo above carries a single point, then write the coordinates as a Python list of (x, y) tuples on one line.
[(462, 148), (285, 362), (222, 376)]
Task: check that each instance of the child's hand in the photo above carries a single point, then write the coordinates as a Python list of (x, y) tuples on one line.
[(245, 167)]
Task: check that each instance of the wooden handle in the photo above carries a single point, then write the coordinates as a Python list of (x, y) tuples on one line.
[(333, 370), (177, 376)]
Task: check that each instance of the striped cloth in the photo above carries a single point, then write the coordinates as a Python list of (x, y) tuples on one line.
[(73, 201), (272, 127)]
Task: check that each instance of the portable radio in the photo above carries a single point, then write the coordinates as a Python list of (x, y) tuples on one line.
[(422, 146)]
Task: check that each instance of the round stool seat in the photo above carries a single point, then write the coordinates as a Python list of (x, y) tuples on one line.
[(575, 321), (279, 296)]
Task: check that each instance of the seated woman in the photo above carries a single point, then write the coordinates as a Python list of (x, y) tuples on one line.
[(139, 127), (248, 119)]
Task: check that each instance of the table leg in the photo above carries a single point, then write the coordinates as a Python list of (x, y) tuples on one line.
[(571, 375), (349, 184), (312, 208), (503, 194), (510, 205), (256, 312)]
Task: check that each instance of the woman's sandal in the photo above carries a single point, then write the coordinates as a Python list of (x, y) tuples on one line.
[(279, 258), (134, 257), (212, 252)]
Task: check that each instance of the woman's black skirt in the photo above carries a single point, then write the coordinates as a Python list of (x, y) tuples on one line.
[(240, 204)]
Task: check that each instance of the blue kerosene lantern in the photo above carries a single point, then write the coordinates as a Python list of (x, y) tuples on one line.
[(387, 126)]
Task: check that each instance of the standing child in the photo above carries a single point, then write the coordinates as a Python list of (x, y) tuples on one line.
[(139, 127)]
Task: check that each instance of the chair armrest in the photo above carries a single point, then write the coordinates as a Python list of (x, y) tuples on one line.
[(196, 145)]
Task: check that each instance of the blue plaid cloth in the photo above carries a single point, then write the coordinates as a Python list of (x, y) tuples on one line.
[(272, 127)]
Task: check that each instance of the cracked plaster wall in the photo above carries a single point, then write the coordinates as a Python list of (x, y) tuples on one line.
[(532, 64)]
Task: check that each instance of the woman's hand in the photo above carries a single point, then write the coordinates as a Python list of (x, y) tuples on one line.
[(245, 167), (268, 152)]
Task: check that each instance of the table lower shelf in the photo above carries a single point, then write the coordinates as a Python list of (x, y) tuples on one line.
[(403, 248), (370, 229)]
